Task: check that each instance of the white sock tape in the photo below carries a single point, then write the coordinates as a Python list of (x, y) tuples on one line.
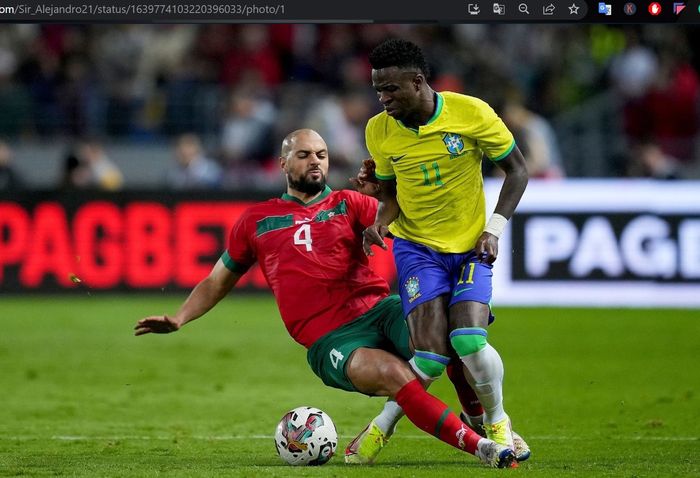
[(496, 225), (427, 379)]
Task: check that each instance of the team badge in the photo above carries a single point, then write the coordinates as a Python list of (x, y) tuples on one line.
[(453, 142), (412, 288)]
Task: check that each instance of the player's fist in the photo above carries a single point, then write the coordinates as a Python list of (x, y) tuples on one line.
[(366, 181), (367, 171), (487, 248)]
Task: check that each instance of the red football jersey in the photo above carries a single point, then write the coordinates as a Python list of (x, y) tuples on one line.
[(311, 255)]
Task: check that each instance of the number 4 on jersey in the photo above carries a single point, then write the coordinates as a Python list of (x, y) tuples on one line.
[(302, 237)]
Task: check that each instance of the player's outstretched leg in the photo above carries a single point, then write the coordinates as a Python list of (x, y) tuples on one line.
[(365, 447), (377, 372), (432, 416)]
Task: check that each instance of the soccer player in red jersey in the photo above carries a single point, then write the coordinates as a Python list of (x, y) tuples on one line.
[(307, 245)]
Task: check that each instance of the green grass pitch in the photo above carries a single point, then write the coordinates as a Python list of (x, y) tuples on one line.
[(595, 392)]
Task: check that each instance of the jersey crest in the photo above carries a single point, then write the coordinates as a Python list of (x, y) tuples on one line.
[(412, 288), (453, 143)]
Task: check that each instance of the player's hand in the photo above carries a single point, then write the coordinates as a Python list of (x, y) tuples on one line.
[(366, 181), (156, 324), (487, 248), (374, 235), (367, 171)]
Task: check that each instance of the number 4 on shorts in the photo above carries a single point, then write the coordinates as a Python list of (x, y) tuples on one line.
[(336, 357)]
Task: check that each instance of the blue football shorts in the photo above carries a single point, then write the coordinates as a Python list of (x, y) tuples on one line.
[(425, 274)]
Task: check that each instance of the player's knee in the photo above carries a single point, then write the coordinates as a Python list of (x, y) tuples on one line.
[(428, 365), (468, 340), (377, 372), (392, 375)]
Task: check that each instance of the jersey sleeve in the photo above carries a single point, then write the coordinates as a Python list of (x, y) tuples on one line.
[(384, 168), (363, 208), (492, 135), (239, 254)]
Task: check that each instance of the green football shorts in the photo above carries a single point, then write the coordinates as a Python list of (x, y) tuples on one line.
[(382, 327)]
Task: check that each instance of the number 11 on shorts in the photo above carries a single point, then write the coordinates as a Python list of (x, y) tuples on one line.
[(470, 277)]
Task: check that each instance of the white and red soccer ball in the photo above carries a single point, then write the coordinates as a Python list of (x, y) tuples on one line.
[(306, 436)]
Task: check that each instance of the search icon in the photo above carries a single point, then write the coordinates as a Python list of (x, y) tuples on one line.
[(523, 8)]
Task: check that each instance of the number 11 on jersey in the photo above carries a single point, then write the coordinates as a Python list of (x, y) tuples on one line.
[(302, 237)]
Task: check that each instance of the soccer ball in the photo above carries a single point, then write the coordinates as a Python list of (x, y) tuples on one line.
[(306, 436)]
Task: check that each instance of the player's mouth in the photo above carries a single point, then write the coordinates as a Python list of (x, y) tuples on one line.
[(315, 174)]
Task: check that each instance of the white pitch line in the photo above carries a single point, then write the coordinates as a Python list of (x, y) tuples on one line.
[(270, 437)]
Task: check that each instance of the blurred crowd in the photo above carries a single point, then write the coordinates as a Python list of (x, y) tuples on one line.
[(222, 96)]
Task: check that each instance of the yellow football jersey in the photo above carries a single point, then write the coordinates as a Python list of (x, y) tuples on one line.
[(437, 168)]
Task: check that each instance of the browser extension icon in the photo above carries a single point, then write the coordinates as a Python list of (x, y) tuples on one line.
[(678, 7)]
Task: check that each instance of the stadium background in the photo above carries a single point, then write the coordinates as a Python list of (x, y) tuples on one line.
[(608, 93), (96, 122)]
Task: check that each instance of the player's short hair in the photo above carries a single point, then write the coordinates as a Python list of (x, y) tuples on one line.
[(399, 53), (287, 143)]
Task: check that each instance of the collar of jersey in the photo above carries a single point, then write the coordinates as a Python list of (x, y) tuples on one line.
[(438, 110), (321, 197)]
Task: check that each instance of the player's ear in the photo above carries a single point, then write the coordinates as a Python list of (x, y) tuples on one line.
[(283, 163), (418, 81)]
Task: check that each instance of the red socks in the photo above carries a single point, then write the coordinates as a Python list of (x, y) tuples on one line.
[(467, 396), (432, 416)]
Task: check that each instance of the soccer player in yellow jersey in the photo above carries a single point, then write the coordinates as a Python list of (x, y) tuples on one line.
[(428, 148)]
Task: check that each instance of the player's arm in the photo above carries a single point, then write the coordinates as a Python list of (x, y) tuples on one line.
[(514, 184), (203, 297), (380, 169), (387, 211), (511, 191)]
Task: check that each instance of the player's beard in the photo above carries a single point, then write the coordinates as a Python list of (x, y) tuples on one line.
[(306, 186)]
